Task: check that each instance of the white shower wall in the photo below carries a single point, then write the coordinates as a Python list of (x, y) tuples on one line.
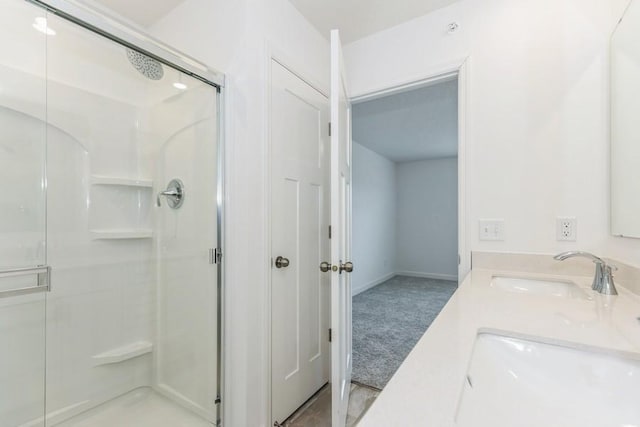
[(103, 290)]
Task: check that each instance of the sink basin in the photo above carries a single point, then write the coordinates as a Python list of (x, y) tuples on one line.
[(518, 382), (538, 287)]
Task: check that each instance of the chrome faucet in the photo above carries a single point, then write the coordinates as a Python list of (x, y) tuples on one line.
[(603, 279)]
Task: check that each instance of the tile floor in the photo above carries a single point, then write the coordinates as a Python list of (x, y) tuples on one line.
[(316, 412)]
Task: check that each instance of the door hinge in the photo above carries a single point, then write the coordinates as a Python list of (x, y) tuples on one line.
[(330, 337), (218, 400), (329, 128), (329, 231), (459, 259), (215, 256)]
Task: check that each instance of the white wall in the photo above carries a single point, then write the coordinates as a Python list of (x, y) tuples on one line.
[(537, 126), (234, 36), (427, 218), (374, 218), (404, 218)]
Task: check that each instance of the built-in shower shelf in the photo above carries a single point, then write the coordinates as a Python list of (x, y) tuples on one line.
[(115, 180), (119, 234), (120, 354)]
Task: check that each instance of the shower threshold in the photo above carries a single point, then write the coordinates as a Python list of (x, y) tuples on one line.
[(141, 407)]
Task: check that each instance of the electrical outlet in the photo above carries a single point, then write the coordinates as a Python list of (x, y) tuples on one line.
[(491, 229), (566, 229)]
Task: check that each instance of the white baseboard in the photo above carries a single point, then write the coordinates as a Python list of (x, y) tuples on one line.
[(376, 282), (439, 276)]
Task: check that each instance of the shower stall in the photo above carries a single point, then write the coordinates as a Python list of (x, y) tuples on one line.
[(110, 225)]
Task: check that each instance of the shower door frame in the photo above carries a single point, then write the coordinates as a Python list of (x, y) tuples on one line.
[(120, 32), (113, 28)]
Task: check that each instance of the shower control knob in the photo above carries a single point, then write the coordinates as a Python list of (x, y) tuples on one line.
[(174, 194)]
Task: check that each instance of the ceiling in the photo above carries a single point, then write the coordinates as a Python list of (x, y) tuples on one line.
[(354, 18), (419, 124), (143, 13), (359, 18)]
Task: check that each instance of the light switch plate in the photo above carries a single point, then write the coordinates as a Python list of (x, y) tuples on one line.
[(491, 229)]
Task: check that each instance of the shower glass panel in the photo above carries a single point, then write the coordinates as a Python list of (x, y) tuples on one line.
[(132, 317), (22, 213)]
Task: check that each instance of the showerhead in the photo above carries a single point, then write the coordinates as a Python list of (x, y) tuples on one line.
[(148, 67)]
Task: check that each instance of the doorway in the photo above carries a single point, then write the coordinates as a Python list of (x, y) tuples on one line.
[(405, 221)]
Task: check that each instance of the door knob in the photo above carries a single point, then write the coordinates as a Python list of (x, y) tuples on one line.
[(325, 266), (282, 262), (347, 266)]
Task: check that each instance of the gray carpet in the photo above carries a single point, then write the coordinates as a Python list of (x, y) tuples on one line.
[(388, 320)]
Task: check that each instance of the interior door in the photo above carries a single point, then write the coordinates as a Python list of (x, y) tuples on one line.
[(341, 360), (23, 271), (299, 218)]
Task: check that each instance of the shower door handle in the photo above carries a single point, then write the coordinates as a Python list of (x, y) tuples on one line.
[(43, 281)]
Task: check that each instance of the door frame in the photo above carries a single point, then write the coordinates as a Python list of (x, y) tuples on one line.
[(294, 67), (457, 68)]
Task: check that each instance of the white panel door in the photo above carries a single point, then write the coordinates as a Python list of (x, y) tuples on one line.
[(299, 218), (341, 362)]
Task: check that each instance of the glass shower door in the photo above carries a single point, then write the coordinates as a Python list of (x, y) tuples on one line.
[(23, 273), (132, 318), (186, 300), (92, 133)]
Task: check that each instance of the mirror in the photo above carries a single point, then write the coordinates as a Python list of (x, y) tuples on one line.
[(625, 124)]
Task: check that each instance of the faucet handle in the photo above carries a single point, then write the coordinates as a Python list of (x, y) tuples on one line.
[(608, 286)]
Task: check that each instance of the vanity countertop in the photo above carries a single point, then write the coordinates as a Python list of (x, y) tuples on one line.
[(425, 390)]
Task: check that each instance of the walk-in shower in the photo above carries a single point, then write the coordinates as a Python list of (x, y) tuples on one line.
[(109, 293)]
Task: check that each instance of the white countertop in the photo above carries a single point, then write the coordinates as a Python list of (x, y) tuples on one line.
[(426, 388)]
